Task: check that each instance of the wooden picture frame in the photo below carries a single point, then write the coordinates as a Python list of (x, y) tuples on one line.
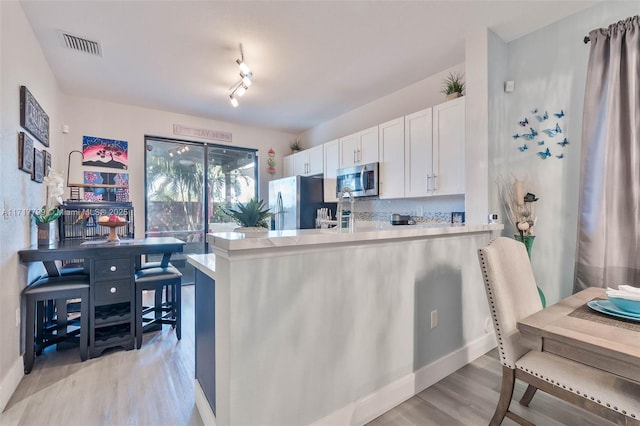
[(25, 153), (32, 116), (46, 162), (38, 166)]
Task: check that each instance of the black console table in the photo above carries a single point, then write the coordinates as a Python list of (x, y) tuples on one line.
[(111, 267)]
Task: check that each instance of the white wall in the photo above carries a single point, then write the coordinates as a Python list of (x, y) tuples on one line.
[(420, 95), (93, 117), (549, 70), (22, 63)]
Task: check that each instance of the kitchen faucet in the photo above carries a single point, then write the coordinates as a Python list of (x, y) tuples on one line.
[(351, 218)]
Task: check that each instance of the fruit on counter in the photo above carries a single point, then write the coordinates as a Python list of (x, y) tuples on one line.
[(111, 218)]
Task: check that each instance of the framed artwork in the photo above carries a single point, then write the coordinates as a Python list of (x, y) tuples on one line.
[(38, 165), (32, 116), (47, 162), (100, 193), (101, 152), (25, 153)]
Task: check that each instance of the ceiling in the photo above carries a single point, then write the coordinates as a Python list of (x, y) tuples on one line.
[(312, 60)]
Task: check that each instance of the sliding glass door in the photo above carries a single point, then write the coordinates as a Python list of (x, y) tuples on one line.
[(187, 184)]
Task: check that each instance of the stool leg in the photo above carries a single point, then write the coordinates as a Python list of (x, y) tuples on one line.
[(178, 310), (138, 318), (84, 326), (42, 314), (29, 354)]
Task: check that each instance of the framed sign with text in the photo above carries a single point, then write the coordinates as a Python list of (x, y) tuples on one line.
[(25, 153), (32, 116)]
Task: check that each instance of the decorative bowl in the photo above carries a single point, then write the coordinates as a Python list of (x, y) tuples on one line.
[(627, 305)]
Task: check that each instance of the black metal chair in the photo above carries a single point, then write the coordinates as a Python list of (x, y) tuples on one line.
[(166, 282), (42, 329)]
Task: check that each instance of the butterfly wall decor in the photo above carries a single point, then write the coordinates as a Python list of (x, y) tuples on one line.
[(560, 157), (523, 148), (559, 114), (563, 143), (531, 135), (543, 117), (524, 123), (544, 154), (516, 136), (552, 132), (540, 142)]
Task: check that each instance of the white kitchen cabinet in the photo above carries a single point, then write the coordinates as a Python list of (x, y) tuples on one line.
[(359, 148), (418, 134), (434, 150), (331, 165), (287, 166), (449, 138), (391, 146), (308, 162)]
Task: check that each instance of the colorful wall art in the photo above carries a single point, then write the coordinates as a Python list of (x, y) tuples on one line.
[(101, 193), (542, 133), (100, 152)]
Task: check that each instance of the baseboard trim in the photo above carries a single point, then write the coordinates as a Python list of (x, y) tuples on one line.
[(10, 382), (202, 405), (364, 410)]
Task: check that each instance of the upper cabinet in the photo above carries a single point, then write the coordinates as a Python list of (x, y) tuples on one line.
[(448, 143), (391, 148), (287, 165), (434, 150), (331, 165), (305, 163), (418, 173), (359, 148)]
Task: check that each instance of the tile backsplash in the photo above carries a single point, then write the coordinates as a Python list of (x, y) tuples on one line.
[(435, 210)]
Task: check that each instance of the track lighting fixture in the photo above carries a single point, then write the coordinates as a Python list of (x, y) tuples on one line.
[(240, 88)]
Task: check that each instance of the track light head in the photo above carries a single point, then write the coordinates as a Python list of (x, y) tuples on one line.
[(243, 67), (241, 90), (233, 100), (246, 79)]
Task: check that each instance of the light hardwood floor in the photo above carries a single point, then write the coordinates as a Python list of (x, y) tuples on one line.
[(154, 386)]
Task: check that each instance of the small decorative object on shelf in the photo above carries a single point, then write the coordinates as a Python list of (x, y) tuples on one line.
[(271, 161), (295, 146), (453, 86), (47, 216)]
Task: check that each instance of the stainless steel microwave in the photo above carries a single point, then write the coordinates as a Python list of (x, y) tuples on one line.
[(362, 180)]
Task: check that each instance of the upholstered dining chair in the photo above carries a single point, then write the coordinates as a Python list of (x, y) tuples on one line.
[(512, 295)]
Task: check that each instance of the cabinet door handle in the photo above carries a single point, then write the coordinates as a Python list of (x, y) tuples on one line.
[(113, 289), (429, 183), (354, 157), (435, 182), (359, 156), (113, 268)]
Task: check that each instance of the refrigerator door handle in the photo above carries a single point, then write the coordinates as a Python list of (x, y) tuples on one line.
[(279, 213)]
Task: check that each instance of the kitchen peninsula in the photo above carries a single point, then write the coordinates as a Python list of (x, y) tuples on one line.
[(327, 327)]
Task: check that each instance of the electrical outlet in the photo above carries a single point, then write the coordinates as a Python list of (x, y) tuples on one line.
[(434, 318), (488, 325), (17, 317)]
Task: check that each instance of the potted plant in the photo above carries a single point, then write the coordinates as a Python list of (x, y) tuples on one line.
[(47, 216), (453, 86), (295, 146), (252, 216)]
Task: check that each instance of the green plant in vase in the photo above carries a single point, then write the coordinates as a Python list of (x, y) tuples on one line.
[(253, 214), (453, 86)]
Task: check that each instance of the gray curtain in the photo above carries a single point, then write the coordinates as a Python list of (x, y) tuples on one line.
[(608, 247)]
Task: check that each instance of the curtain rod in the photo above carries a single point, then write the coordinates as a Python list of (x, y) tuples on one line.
[(586, 39)]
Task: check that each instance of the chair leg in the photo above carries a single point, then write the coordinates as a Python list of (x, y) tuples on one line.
[(528, 395), (29, 354), (506, 392)]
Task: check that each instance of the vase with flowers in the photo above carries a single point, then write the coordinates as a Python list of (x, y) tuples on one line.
[(519, 206), (295, 146), (47, 216)]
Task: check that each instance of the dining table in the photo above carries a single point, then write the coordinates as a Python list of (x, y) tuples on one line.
[(572, 329), (111, 267)]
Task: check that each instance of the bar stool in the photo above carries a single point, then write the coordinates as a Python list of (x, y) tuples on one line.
[(166, 282), (39, 335)]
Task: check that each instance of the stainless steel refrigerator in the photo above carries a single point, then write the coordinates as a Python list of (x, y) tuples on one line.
[(294, 201)]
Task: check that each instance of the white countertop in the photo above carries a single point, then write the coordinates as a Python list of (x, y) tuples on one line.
[(232, 241)]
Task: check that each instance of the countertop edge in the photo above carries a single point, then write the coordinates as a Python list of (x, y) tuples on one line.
[(237, 241)]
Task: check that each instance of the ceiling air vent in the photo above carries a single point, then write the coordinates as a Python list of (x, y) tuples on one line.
[(80, 44)]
